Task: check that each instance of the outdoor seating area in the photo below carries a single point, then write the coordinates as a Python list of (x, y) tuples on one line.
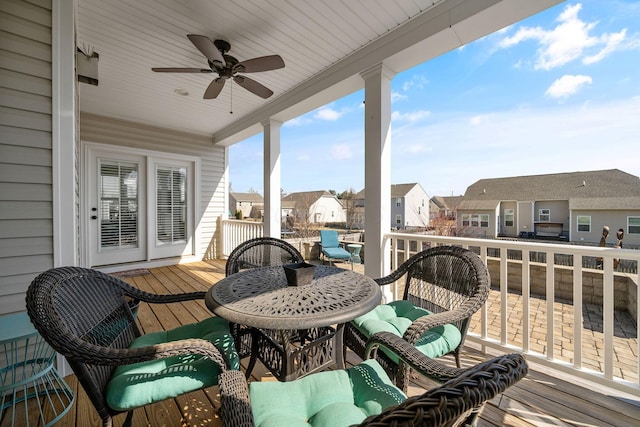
[(538, 397)]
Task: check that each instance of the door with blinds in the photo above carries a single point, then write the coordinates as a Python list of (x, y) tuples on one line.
[(140, 207), (172, 191)]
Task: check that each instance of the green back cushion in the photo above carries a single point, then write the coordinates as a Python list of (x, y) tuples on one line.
[(139, 384), (329, 399), (397, 316)]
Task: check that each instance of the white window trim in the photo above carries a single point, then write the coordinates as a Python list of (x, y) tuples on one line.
[(628, 225), (578, 223)]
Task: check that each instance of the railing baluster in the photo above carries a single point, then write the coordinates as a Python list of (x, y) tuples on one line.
[(504, 292), (577, 311), (526, 302), (607, 316), (550, 295)]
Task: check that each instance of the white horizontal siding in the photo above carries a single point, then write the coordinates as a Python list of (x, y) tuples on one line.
[(117, 132), (26, 238)]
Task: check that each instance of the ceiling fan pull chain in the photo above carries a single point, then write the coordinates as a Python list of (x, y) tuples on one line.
[(231, 105)]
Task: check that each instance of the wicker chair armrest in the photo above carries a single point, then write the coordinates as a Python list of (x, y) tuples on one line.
[(393, 276), (86, 352), (411, 356), (152, 298), (235, 406), (460, 400)]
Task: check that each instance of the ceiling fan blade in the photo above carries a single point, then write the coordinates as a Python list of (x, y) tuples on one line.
[(263, 63), (253, 86), (208, 49), (214, 88), (182, 70)]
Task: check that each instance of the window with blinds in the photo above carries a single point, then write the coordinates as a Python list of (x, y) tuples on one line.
[(118, 208), (171, 205)]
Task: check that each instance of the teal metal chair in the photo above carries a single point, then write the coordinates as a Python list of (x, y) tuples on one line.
[(331, 249)]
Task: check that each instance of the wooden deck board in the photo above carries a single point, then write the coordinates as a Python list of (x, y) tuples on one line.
[(539, 400)]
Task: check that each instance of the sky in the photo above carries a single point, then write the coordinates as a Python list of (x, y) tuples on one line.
[(558, 92)]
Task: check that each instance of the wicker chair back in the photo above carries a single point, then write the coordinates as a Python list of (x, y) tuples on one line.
[(261, 252), (73, 308)]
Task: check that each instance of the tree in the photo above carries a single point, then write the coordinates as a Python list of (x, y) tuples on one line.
[(348, 199)]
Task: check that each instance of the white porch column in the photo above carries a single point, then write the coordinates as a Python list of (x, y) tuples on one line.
[(64, 133), (377, 168), (272, 178)]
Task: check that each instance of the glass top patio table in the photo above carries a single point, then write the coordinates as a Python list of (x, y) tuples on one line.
[(260, 297)]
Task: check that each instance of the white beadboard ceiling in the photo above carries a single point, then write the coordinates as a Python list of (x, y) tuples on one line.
[(325, 44)]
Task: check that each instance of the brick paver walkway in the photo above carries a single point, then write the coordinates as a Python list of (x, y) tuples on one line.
[(625, 341)]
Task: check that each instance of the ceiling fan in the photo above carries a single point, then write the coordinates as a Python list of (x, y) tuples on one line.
[(227, 67)]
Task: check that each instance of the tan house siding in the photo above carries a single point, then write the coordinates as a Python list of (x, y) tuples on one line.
[(26, 213), (104, 130)]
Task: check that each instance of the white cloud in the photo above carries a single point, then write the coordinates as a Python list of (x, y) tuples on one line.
[(413, 117), (397, 96), (327, 113), (341, 152), (418, 148), (570, 40), (479, 119), (567, 85), (298, 121), (417, 81)]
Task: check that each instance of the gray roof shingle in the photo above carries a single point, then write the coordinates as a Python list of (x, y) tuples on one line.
[(607, 189)]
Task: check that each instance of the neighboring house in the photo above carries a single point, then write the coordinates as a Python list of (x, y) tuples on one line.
[(250, 204), (567, 206), (318, 207), (409, 206), (444, 207)]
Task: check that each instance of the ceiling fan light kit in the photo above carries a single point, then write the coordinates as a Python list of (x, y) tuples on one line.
[(228, 67)]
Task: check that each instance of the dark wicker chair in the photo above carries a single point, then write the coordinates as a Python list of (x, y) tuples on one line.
[(257, 252), (459, 401), (450, 282), (85, 316)]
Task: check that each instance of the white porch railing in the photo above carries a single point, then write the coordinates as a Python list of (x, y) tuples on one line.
[(568, 360), (233, 232)]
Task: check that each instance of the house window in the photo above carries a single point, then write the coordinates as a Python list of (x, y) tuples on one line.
[(398, 219), (332, 214), (508, 217), (633, 225), (544, 215), (171, 205), (475, 220), (465, 220), (484, 221), (398, 202), (419, 211), (584, 223)]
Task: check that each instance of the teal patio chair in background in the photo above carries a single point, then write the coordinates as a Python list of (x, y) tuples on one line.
[(331, 249)]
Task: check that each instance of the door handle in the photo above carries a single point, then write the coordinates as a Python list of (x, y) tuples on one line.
[(94, 217)]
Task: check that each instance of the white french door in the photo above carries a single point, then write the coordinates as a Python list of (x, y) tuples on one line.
[(139, 207), (172, 191)]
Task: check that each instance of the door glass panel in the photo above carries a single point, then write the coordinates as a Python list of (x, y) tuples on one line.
[(171, 205), (118, 212)]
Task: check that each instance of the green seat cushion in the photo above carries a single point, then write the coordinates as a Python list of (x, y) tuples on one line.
[(139, 384), (397, 316), (329, 399)]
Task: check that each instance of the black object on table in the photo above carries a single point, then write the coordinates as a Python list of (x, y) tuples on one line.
[(261, 298)]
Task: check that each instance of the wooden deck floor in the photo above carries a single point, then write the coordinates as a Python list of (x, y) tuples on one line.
[(541, 399)]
